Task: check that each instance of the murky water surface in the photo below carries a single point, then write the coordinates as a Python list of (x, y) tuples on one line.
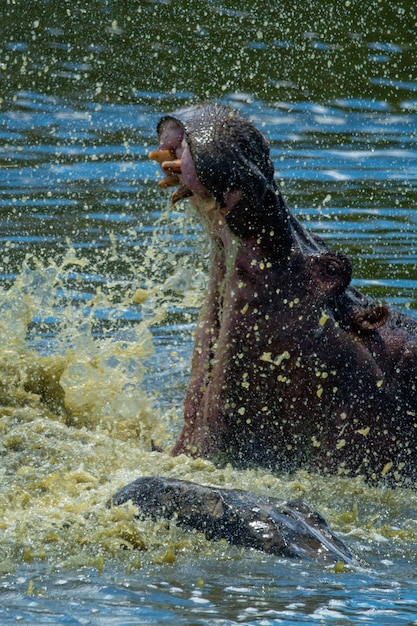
[(100, 284)]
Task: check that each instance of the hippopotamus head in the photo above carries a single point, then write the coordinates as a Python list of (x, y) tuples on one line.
[(292, 366), (212, 152)]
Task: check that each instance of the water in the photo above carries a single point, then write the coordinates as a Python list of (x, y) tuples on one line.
[(100, 285)]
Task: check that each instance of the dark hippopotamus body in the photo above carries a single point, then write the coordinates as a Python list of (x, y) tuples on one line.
[(288, 529), (292, 366)]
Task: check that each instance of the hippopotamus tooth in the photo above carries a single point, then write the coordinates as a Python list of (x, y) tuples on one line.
[(288, 529), (344, 398)]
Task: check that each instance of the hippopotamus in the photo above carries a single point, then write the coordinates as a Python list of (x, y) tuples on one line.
[(292, 366), (286, 529)]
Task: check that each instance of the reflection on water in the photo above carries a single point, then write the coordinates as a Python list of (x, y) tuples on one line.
[(100, 286)]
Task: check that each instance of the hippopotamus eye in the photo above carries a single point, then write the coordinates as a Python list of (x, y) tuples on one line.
[(331, 269)]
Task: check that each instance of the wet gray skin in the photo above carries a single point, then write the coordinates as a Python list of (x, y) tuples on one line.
[(292, 367), (287, 529)]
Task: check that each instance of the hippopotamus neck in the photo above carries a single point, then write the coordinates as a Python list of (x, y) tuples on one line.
[(279, 237), (273, 228)]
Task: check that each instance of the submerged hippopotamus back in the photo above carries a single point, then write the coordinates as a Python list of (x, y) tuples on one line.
[(292, 366), (287, 529)]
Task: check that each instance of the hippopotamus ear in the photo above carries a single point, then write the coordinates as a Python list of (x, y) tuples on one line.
[(362, 315), (367, 320)]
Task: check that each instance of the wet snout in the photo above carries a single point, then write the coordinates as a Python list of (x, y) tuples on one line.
[(176, 162), (171, 134)]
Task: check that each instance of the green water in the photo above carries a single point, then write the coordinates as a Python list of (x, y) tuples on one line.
[(272, 51)]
